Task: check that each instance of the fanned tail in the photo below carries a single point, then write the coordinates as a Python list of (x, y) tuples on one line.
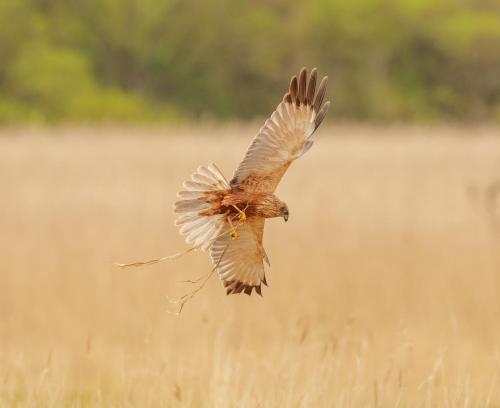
[(200, 230)]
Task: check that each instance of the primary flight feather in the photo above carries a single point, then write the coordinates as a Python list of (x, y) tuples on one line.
[(227, 218)]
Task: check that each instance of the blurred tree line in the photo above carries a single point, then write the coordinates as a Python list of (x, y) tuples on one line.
[(113, 60)]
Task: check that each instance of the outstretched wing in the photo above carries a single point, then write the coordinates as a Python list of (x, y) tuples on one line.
[(285, 136), (239, 262)]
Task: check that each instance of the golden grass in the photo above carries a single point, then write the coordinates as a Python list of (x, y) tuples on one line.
[(384, 286)]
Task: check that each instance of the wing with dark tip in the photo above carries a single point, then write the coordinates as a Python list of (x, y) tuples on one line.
[(239, 262), (285, 136)]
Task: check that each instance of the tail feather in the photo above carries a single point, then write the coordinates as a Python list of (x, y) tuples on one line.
[(190, 195), (195, 186), (200, 230), (187, 206), (195, 224), (185, 219)]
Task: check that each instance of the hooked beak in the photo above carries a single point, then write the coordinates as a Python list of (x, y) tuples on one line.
[(285, 216)]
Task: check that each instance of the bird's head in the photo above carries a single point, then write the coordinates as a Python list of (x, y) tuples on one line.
[(284, 211), (270, 206)]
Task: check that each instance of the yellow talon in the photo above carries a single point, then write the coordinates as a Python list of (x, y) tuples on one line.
[(234, 234), (243, 216)]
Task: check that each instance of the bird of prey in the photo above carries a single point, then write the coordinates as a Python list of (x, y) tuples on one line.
[(227, 218)]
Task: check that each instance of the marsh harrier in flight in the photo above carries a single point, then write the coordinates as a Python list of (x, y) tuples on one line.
[(227, 218)]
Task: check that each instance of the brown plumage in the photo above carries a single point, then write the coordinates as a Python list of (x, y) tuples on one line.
[(258, 204), (228, 217)]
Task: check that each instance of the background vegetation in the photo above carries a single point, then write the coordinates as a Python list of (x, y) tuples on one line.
[(115, 60), (384, 285)]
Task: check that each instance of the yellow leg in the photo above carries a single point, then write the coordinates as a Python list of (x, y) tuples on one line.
[(234, 234), (243, 216)]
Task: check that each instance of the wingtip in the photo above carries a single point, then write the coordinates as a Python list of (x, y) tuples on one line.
[(302, 86), (294, 87)]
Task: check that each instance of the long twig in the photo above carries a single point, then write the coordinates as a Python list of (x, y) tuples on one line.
[(180, 302), (155, 261), (174, 256)]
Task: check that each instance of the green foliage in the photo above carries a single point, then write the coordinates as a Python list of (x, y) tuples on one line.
[(114, 60)]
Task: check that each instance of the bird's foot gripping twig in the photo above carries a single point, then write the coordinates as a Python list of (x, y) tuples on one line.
[(234, 234), (242, 217)]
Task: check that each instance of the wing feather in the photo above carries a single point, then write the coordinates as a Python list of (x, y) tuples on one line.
[(302, 86), (239, 262), (311, 87), (284, 136)]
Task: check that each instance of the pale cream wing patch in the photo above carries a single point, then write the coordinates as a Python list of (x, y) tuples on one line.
[(285, 136), (200, 230), (239, 262)]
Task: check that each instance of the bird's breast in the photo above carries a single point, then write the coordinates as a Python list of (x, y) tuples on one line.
[(253, 204)]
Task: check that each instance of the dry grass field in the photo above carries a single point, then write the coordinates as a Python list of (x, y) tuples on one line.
[(384, 286)]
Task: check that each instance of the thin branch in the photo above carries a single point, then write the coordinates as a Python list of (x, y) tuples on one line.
[(222, 174), (197, 280), (155, 261), (180, 302), (174, 256)]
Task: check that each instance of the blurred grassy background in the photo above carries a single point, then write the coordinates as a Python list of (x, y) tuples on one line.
[(168, 60), (384, 285)]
